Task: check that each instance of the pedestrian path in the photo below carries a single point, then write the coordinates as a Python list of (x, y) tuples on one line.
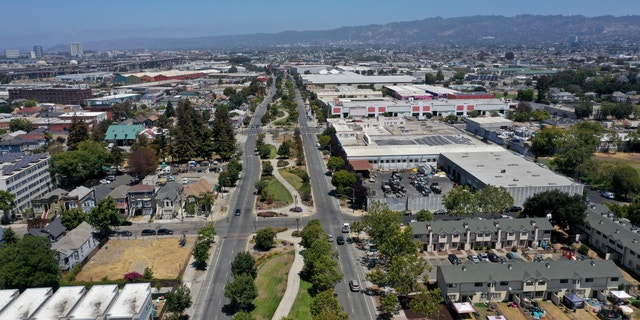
[(289, 187), (293, 280)]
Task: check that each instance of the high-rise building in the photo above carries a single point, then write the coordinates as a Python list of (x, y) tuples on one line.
[(573, 41), (38, 50), (12, 54), (75, 48)]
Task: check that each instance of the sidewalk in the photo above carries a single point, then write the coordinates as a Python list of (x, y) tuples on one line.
[(293, 280)]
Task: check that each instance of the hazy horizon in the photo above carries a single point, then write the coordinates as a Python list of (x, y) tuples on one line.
[(52, 23)]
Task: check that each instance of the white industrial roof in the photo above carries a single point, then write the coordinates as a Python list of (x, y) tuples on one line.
[(6, 296), (488, 167), (95, 302), (347, 77), (59, 305), (490, 120), (415, 150), (130, 301), (26, 304)]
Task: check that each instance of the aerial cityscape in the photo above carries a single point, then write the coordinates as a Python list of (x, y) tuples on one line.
[(285, 160)]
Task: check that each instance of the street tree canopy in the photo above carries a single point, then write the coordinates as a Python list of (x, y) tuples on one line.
[(566, 211), (104, 215), (29, 263), (244, 264)]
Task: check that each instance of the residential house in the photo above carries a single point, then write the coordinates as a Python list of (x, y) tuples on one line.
[(76, 246), (119, 195), (81, 198), (123, 135), (141, 199), (169, 200), (49, 204), (147, 121), (54, 230), (470, 234), (616, 238), (619, 97), (563, 97), (482, 282), (193, 192)]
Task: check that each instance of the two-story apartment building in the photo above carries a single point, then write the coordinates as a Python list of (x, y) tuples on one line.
[(81, 198), (537, 280), (119, 195), (141, 200), (616, 238), (169, 200), (469, 234)]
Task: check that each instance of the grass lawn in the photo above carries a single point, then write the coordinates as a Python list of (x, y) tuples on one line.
[(274, 151), (279, 192), (293, 179), (272, 283), (300, 308)]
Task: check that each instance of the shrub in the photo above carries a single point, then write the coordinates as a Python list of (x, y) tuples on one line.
[(282, 163), (133, 276), (583, 250)]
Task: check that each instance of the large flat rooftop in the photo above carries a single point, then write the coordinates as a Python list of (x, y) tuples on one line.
[(60, 304), (130, 301)]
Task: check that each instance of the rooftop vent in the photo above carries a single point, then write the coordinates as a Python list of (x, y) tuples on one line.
[(503, 171), (593, 263), (509, 266), (546, 264)]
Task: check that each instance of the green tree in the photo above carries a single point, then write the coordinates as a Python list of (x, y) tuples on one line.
[(424, 215), (206, 201), (224, 140), (7, 203), (440, 75), (492, 199), (99, 131), (326, 275), (566, 211), (343, 180), (116, 157), (265, 238), (540, 115), (10, 237), (324, 141), (284, 151), (207, 232), (584, 109), (178, 300), (430, 79), (542, 86), (73, 218), (379, 218), (30, 263), (388, 304), (243, 315), (325, 305), (378, 276), (20, 124), (509, 56), (404, 272), (547, 141), (335, 163), (311, 232), (241, 291), (78, 132), (201, 253), (427, 303), (525, 95), (460, 201), (104, 215), (244, 263), (169, 111), (625, 181), (267, 168)]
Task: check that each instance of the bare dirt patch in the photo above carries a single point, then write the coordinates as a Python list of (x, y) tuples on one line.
[(632, 159), (165, 256)]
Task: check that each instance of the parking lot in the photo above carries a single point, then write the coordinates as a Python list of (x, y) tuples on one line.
[(404, 182)]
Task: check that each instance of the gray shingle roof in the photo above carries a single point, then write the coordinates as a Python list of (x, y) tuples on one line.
[(74, 239), (476, 225)]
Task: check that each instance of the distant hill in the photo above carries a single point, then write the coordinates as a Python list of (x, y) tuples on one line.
[(522, 29)]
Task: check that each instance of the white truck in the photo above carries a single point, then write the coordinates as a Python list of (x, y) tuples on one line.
[(346, 228)]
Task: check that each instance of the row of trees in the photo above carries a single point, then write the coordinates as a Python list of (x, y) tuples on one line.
[(321, 270), (491, 199), (200, 251), (399, 267), (242, 291)]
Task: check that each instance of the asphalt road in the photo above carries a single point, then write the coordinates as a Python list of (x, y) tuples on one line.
[(233, 233), (357, 304)]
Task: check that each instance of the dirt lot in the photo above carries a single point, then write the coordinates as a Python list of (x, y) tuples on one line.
[(633, 159), (118, 257)]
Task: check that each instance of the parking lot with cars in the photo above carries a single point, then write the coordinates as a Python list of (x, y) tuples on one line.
[(398, 184)]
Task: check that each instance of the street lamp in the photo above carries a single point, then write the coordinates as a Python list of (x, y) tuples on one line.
[(295, 201), (297, 224)]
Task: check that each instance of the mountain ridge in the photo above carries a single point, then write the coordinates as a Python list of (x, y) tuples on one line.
[(469, 30)]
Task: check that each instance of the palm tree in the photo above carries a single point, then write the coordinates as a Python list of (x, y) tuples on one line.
[(206, 200)]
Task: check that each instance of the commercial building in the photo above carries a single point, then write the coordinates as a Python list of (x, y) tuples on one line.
[(111, 100), (37, 50), (95, 303), (60, 304), (12, 54), (521, 178), (328, 79), (545, 280), (133, 303), (24, 306), (27, 177), (123, 134), (60, 95), (75, 49), (468, 234)]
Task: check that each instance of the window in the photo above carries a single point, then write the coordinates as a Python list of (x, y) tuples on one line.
[(477, 284), (564, 280), (542, 283), (452, 285), (588, 280), (614, 279), (504, 283), (529, 283)]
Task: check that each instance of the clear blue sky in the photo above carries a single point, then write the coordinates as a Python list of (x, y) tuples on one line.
[(24, 23)]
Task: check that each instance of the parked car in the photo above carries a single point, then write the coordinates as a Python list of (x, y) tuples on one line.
[(126, 233), (171, 178), (607, 194), (105, 181), (165, 232), (454, 259), (483, 257), (514, 209), (111, 178), (238, 212), (492, 257), (473, 258), (440, 211), (513, 256), (354, 285), (134, 180), (185, 181), (126, 223), (340, 240), (148, 232), (330, 238)]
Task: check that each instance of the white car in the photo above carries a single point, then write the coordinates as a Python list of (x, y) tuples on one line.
[(185, 181), (473, 258), (483, 257), (607, 194), (105, 181)]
